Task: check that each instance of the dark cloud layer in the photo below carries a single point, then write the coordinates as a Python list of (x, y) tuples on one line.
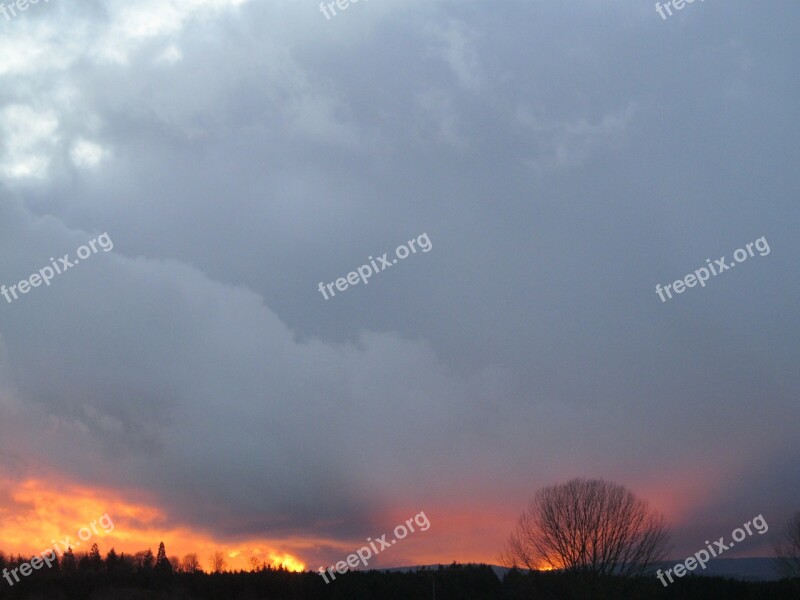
[(563, 161)]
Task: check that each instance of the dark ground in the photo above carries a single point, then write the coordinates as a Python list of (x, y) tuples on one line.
[(454, 582)]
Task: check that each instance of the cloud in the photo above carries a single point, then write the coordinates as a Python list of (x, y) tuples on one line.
[(28, 136), (567, 143), (87, 154), (460, 54), (239, 153), (229, 395)]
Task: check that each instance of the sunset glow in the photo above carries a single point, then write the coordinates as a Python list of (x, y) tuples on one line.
[(37, 513), (289, 286)]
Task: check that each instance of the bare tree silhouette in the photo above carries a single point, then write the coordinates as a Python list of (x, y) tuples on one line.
[(190, 564), (218, 562), (594, 527), (787, 548)]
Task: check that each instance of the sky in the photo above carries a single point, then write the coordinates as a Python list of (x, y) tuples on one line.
[(562, 160)]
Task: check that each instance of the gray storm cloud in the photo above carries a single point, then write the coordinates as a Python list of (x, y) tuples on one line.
[(563, 160)]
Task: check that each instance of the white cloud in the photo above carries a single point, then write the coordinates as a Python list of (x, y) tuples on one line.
[(87, 154), (35, 46), (132, 24), (171, 55), (459, 52), (29, 135), (37, 58)]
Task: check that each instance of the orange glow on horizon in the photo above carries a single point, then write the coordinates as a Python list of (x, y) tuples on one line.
[(36, 514)]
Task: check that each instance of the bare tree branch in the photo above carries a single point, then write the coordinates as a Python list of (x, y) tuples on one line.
[(589, 526), (787, 549)]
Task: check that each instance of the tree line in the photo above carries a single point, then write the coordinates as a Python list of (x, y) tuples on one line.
[(140, 562), (581, 540)]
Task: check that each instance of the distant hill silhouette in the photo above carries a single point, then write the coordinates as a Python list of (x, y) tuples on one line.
[(743, 569)]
